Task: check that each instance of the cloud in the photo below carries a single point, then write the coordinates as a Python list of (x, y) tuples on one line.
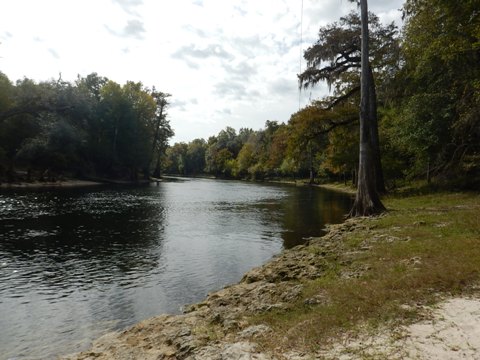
[(198, 3), (242, 70), (391, 16), (381, 6), (250, 46), (133, 29), (253, 46), (196, 31), (283, 87), (191, 53), (322, 12), (6, 36), (234, 90), (181, 105), (211, 51), (129, 5), (222, 113), (54, 53), (240, 11)]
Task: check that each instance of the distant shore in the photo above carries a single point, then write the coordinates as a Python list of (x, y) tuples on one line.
[(47, 184)]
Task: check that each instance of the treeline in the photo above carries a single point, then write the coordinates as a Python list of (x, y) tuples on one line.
[(92, 127), (278, 150), (425, 98)]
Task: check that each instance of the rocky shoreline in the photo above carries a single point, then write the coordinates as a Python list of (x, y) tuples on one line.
[(218, 327)]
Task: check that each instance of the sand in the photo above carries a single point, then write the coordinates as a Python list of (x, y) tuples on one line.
[(450, 330)]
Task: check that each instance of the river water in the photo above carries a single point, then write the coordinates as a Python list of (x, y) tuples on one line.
[(77, 263)]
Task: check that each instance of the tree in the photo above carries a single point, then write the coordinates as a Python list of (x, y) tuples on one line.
[(92, 127), (245, 160), (367, 201), (439, 88), (277, 154), (196, 156), (341, 153), (161, 131), (177, 159), (306, 137), (336, 58)]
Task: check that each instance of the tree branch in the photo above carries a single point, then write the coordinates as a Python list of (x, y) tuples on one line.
[(342, 98)]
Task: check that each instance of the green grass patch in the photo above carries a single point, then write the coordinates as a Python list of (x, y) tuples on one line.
[(424, 248)]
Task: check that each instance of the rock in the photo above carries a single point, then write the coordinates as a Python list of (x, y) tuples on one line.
[(253, 331), (229, 351), (242, 351), (316, 300)]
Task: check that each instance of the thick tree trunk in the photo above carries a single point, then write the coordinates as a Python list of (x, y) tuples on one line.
[(374, 138), (367, 201)]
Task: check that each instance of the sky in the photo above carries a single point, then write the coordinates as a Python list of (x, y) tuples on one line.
[(225, 62)]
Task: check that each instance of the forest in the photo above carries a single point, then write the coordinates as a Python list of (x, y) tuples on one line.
[(93, 128), (425, 98)]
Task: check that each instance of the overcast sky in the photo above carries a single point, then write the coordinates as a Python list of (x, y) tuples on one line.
[(225, 62)]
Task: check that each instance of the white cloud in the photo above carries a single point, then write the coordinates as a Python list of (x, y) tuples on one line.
[(134, 28), (225, 63)]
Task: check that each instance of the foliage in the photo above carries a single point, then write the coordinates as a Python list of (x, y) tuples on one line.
[(335, 56), (439, 123), (92, 127)]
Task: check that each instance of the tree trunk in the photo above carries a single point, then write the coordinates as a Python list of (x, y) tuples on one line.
[(374, 138), (367, 201)]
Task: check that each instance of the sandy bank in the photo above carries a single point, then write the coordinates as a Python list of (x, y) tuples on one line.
[(450, 330)]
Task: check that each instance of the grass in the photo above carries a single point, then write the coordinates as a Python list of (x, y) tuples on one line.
[(425, 248)]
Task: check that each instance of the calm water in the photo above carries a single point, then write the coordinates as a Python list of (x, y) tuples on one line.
[(77, 263)]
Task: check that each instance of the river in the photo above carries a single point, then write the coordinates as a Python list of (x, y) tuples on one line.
[(77, 263)]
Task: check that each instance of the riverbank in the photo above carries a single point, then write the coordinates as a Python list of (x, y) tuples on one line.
[(70, 183), (339, 187), (365, 289), (49, 184)]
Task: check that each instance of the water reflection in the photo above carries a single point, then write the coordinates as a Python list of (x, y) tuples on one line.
[(75, 263)]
